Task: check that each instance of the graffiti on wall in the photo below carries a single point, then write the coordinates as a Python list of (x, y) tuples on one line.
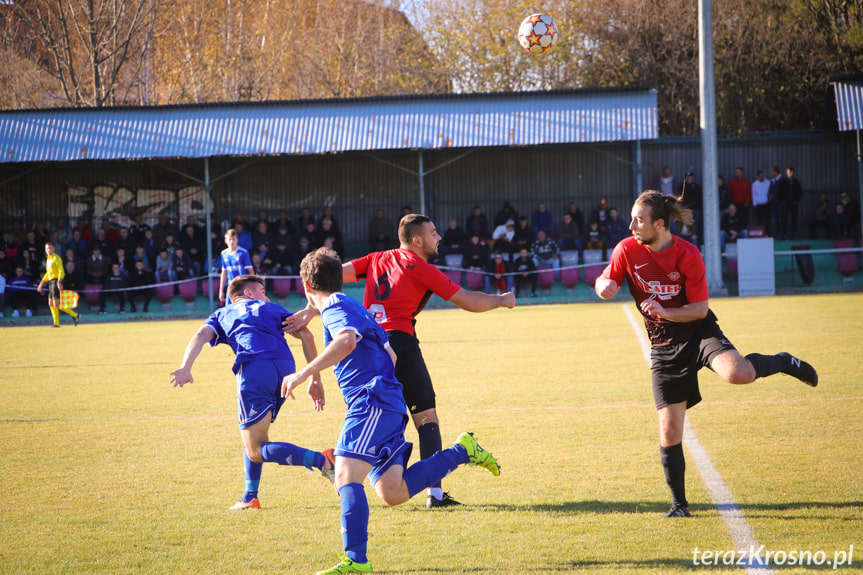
[(120, 204)]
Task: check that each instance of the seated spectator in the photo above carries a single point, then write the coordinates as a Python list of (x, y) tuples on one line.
[(258, 267), (305, 218), (64, 234), (21, 292), (507, 212), (569, 234), (184, 267), (577, 216), (78, 245), (98, 266), (545, 252), (244, 237), (2, 295), (106, 245), (615, 229), (31, 246), (10, 247), (124, 261), (261, 238), (310, 232), (523, 237), (542, 220), (138, 228), (166, 267), (502, 238), (285, 222), (141, 256), (454, 239), (380, 232), (193, 245), (594, 237), (525, 273), (839, 223), (7, 268), (477, 224), (600, 216), (73, 280), (169, 243), (475, 254), (303, 247), (731, 228), (328, 213), (162, 229), (498, 279), (263, 218), (86, 233), (114, 288), (328, 229), (851, 208), (281, 260), (151, 246), (141, 281), (821, 217), (31, 266), (126, 242), (111, 234)]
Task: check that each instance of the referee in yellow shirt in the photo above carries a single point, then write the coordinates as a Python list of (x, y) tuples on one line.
[(54, 275)]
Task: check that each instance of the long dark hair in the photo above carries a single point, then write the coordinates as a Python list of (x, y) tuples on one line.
[(665, 208)]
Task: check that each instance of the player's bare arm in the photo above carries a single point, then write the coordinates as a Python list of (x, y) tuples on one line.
[(477, 301), (223, 279), (183, 374), (686, 313), (349, 274), (606, 287), (315, 388), (301, 319), (339, 348)]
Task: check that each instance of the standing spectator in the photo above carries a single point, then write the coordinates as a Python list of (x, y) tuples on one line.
[(852, 210), (475, 254), (741, 194), (666, 183), (235, 262), (600, 216), (477, 224), (792, 202), (305, 218), (328, 229), (263, 218), (114, 288), (151, 246), (525, 273), (98, 266), (193, 245), (283, 221), (778, 192), (85, 230), (21, 291), (761, 201), (615, 229), (244, 237), (821, 217), (126, 242), (542, 220), (498, 276), (839, 223), (545, 252), (141, 281), (64, 234), (138, 228), (34, 250), (454, 238), (692, 196), (111, 233), (380, 232)]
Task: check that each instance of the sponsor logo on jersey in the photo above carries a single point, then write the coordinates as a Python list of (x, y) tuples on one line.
[(657, 288), (674, 276)]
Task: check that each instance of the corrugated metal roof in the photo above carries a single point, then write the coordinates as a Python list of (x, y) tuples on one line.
[(849, 103), (327, 126)]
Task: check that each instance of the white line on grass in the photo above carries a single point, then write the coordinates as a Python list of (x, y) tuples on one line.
[(741, 532)]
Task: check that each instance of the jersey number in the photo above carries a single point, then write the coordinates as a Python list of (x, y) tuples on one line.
[(382, 286)]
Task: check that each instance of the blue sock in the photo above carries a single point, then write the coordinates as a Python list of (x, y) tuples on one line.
[(429, 472), (252, 472), (290, 454), (355, 521)]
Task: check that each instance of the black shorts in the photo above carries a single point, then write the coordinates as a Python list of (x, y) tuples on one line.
[(674, 368), (411, 371), (53, 290)]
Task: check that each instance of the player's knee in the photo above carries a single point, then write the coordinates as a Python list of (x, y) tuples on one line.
[(391, 494), (742, 373), (254, 453)]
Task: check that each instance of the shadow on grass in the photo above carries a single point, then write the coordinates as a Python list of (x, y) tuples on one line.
[(635, 507), (661, 565)]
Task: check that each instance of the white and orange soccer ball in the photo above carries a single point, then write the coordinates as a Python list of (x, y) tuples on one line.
[(537, 33)]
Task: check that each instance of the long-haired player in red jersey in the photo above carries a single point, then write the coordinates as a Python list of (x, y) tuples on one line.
[(398, 285), (666, 278)]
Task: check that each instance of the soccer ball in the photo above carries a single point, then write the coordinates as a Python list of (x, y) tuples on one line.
[(537, 33)]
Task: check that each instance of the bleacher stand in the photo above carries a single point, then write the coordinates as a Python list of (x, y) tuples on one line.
[(593, 266), (569, 275), (282, 286), (847, 261)]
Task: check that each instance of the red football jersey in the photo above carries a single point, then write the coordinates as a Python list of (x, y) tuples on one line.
[(674, 277), (399, 283)]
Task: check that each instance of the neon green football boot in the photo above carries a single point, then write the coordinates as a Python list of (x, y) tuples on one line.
[(346, 565), (478, 455)]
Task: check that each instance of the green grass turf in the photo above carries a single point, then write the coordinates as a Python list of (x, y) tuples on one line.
[(107, 469)]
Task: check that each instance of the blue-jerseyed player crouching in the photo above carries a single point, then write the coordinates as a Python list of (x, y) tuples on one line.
[(252, 326), (372, 438)]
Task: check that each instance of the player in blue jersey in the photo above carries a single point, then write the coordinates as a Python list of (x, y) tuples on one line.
[(372, 441), (235, 262), (252, 326)]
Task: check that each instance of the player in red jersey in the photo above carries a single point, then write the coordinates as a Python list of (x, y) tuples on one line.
[(666, 277), (398, 286)]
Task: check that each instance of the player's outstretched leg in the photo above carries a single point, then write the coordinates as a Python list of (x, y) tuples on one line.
[(476, 454), (766, 365)]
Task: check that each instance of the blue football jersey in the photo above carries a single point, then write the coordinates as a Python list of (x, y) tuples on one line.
[(366, 376), (235, 263), (253, 329)]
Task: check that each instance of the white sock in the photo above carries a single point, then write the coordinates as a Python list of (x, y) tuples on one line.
[(436, 492)]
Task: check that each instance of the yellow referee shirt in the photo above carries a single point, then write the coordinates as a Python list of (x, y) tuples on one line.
[(54, 268)]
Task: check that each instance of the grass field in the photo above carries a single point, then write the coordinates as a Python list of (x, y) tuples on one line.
[(107, 469)]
